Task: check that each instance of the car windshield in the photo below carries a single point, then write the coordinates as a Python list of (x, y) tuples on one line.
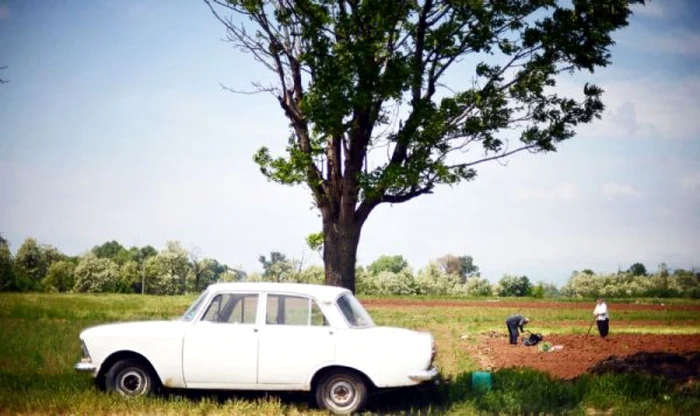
[(354, 312), (192, 310)]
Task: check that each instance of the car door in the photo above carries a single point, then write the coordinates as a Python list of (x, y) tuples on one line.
[(294, 341), (221, 349)]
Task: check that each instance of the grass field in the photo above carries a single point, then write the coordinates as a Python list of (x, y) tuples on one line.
[(39, 345)]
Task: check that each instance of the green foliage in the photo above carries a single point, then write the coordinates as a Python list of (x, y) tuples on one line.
[(545, 290), (206, 272), (7, 277), (431, 280), (30, 266), (96, 275), (514, 286), (681, 283), (315, 241), (477, 286), (365, 67), (114, 251), (393, 264), (311, 274), (168, 272), (637, 269), (389, 283), (140, 254), (358, 75), (60, 277), (462, 266), (278, 268)]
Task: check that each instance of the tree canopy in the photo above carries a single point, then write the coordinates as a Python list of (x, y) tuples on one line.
[(363, 84), (637, 269)]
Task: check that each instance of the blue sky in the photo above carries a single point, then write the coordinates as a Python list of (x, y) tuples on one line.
[(115, 126)]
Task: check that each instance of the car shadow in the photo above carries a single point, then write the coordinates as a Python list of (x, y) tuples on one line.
[(410, 400)]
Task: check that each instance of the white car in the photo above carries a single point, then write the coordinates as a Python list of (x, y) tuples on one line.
[(262, 336)]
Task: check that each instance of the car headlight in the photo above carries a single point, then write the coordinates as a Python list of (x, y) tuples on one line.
[(85, 352)]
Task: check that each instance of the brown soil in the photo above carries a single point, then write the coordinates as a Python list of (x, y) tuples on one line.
[(581, 353), (523, 304), (678, 367)]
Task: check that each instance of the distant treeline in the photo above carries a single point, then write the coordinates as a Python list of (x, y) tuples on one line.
[(111, 267)]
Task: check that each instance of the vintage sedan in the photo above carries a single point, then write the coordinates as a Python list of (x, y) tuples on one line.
[(262, 336)]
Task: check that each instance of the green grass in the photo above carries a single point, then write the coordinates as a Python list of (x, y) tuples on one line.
[(39, 345)]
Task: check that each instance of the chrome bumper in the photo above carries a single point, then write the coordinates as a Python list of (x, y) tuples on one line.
[(425, 375), (85, 367)]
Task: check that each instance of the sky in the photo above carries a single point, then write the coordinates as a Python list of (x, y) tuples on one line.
[(115, 126)]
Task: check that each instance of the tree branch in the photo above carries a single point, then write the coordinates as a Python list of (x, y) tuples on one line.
[(495, 157)]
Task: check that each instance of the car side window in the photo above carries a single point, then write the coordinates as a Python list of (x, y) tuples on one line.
[(293, 310), (233, 308)]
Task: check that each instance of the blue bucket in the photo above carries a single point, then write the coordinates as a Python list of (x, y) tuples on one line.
[(481, 381)]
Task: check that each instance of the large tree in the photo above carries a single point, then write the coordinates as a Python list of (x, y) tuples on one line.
[(354, 76), (462, 266)]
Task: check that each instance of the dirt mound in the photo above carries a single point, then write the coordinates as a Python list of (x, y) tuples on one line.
[(578, 353), (677, 367)]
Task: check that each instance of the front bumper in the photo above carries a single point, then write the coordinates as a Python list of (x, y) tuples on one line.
[(425, 375), (85, 367)]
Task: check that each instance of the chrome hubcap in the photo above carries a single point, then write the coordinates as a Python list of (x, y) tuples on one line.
[(342, 393), (132, 383)]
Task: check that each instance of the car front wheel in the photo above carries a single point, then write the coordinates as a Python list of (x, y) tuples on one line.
[(342, 393), (130, 378)]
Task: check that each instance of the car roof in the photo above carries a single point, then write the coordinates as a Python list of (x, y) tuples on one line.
[(320, 292)]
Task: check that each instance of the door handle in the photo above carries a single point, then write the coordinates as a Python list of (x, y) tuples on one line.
[(330, 332), (255, 329)]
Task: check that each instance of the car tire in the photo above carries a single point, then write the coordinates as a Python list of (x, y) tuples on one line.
[(342, 392), (131, 378)]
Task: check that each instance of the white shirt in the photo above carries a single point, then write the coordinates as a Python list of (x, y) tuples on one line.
[(601, 311)]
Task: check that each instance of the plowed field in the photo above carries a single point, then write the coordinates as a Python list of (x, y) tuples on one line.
[(578, 353)]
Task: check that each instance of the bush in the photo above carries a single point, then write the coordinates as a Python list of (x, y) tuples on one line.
[(514, 286), (94, 275), (390, 283), (60, 277), (433, 281), (625, 285), (168, 272)]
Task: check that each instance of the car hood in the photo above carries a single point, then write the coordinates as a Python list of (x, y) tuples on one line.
[(148, 329)]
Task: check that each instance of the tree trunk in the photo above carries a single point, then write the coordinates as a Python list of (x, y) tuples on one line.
[(340, 240)]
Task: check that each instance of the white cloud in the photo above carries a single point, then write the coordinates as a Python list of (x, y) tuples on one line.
[(625, 116), (691, 182), (562, 192), (643, 106), (616, 189), (4, 12)]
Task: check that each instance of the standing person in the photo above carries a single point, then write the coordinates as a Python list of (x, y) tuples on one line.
[(601, 314), (515, 323)]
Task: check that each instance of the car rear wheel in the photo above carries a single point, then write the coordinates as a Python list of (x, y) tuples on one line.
[(131, 378), (342, 392)]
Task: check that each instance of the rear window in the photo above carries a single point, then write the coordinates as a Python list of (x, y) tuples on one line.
[(354, 312)]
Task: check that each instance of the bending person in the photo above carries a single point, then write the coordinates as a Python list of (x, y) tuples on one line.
[(515, 323)]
